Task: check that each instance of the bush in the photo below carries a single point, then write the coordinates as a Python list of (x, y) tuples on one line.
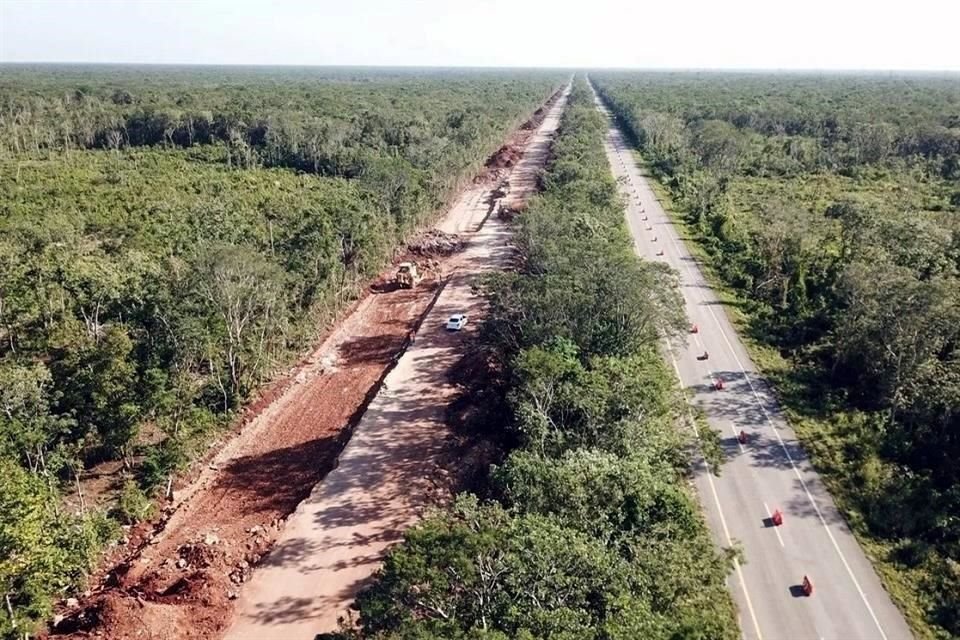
[(159, 463), (43, 550), (133, 505)]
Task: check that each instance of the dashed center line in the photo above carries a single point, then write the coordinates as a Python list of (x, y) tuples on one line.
[(775, 530), (716, 500), (713, 490), (697, 281)]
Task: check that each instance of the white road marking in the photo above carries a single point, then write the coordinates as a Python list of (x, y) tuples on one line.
[(716, 501), (766, 415), (696, 336), (716, 497), (775, 528), (736, 437), (803, 484), (767, 418)]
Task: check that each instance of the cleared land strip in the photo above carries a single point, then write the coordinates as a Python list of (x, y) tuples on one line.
[(335, 540), (769, 471), (182, 581)]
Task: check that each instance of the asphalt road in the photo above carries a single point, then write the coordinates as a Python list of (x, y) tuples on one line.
[(770, 472)]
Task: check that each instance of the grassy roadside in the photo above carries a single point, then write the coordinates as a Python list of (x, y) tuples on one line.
[(817, 435)]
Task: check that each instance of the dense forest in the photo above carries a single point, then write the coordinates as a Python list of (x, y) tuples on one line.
[(587, 528), (830, 205), (170, 238)]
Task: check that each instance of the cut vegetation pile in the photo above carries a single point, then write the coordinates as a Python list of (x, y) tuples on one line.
[(505, 157), (434, 243)]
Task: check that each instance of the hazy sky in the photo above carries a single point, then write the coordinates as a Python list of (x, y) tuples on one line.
[(846, 34)]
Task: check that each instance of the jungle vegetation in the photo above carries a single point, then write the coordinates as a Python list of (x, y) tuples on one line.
[(587, 529), (830, 205), (169, 239)]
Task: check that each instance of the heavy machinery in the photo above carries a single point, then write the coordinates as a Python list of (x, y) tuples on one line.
[(407, 275)]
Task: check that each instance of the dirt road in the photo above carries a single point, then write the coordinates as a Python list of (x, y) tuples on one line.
[(335, 540), (183, 581)]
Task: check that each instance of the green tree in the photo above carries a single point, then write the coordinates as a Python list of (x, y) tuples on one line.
[(43, 551), (28, 428), (244, 295)]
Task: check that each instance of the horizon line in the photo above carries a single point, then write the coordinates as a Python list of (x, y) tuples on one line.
[(491, 67)]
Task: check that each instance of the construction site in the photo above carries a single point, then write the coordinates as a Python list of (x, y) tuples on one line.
[(289, 517)]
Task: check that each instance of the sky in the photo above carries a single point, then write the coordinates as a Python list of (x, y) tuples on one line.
[(739, 34)]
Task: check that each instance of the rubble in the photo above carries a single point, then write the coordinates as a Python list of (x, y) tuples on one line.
[(435, 243)]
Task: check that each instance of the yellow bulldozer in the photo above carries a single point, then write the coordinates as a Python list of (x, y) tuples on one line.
[(407, 275)]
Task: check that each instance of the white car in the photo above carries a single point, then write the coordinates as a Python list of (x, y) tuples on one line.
[(456, 322)]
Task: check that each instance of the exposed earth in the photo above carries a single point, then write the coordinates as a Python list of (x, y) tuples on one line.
[(180, 577)]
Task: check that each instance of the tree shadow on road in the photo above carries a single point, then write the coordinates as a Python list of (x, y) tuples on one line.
[(289, 551), (286, 610)]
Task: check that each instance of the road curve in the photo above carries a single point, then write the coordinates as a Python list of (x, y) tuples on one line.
[(770, 472)]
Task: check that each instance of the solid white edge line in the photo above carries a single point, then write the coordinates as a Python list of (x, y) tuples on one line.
[(671, 234), (716, 499), (803, 484), (713, 491), (713, 488)]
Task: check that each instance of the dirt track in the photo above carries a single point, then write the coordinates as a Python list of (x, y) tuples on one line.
[(185, 580), (335, 540), (183, 584)]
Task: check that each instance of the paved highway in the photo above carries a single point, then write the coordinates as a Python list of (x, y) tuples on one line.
[(769, 472)]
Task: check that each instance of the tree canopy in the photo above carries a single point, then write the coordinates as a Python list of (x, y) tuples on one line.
[(831, 205), (589, 530)]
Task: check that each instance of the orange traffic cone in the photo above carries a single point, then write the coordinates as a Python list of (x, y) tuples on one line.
[(718, 385), (807, 586), (742, 437), (777, 518)]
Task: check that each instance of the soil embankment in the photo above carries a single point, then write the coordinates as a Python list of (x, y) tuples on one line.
[(182, 580), (388, 474)]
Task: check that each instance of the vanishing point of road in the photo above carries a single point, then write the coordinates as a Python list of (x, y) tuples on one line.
[(769, 472), (334, 542)]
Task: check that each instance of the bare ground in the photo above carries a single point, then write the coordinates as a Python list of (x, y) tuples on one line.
[(390, 473), (178, 577)]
